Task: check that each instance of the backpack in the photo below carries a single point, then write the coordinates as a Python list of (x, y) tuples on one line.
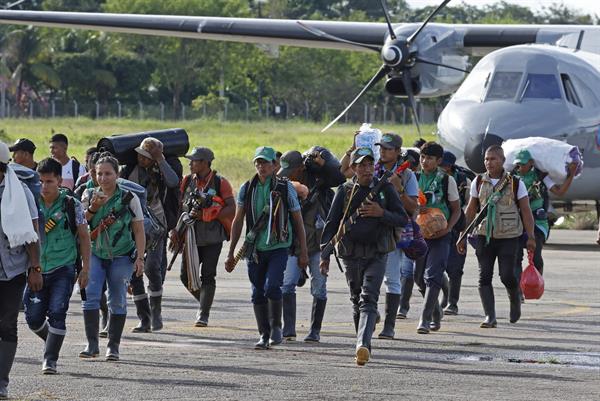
[(462, 220), (76, 165), (69, 211), (29, 177)]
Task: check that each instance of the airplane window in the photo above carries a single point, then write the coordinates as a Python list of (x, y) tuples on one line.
[(541, 86), (570, 90), (504, 85), (472, 88), (587, 96)]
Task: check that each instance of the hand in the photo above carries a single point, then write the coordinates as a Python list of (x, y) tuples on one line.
[(440, 233), (318, 159), (157, 153), (229, 263), (83, 278), (531, 244), (396, 181), (99, 199), (196, 214), (303, 259), (35, 281), (139, 267), (324, 267), (370, 209), (461, 247), (572, 169), (353, 148)]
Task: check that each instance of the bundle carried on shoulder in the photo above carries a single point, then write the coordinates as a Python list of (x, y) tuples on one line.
[(549, 155), (431, 220)]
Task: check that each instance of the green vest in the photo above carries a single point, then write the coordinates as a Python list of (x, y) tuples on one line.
[(263, 193), (117, 240), (60, 247), (536, 199), (434, 183)]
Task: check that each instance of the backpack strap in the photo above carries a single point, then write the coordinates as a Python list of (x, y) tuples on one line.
[(445, 181), (69, 210), (76, 165), (478, 182)]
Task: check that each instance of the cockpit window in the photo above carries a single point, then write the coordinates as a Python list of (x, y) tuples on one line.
[(504, 85), (541, 86)]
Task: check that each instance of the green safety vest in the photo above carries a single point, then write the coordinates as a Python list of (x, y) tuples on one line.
[(118, 239), (536, 199), (60, 247), (434, 182)]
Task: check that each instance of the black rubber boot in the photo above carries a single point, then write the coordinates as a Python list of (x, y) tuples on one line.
[(486, 293), (42, 332), (453, 295), (207, 295), (105, 314), (156, 312), (91, 322), (392, 301), (431, 302), (445, 290), (316, 320), (53, 345), (275, 311), (436, 318), (7, 356), (515, 304), (142, 307), (405, 294), (289, 317), (261, 312), (115, 330)]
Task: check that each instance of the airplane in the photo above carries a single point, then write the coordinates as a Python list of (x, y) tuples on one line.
[(533, 80)]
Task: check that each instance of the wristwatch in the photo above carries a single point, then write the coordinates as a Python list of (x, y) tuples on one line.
[(37, 269)]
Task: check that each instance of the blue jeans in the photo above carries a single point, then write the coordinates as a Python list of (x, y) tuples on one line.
[(436, 260), (318, 282), (51, 301), (266, 276), (398, 266), (116, 273)]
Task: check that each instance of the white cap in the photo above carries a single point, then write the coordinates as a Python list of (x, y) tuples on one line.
[(4, 153)]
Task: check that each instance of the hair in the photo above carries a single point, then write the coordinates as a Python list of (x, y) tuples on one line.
[(50, 166), (60, 138), (419, 142), (495, 149), (278, 155), (107, 157), (432, 149), (91, 151)]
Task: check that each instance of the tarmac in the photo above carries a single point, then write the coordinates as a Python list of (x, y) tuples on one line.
[(552, 353)]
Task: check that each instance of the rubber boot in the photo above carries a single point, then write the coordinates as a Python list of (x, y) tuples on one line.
[(316, 320), (289, 317), (53, 345), (392, 301), (275, 311), (104, 310), (431, 302), (142, 307), (115, 330), (366, 326), (91, 322), (207, 295), (453, 295), (436, 318), (515, 304), (261, 312), (156, 312), (42, 332), (405, 294), (7, 356), (486, 293), (445, 290)]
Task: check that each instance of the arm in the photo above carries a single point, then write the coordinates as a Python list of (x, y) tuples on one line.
[(560, 190), (229, 209), (236, 231), (298, 224), (34, 278), (394, 215), (332, 222), (140, 245), (528, 222), (470, 213), (345, 168), (169, 175), (85, 250)]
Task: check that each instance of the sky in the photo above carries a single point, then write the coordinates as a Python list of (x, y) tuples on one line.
[(587, 6)]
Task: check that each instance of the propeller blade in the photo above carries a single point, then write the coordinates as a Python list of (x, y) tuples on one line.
[(387, 19), (429, 18), (379, 75), (411, 98), (421, 60), (323, 34)]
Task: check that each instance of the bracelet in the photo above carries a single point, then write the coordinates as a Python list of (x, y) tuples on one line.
[(36, 269), (90, 211)]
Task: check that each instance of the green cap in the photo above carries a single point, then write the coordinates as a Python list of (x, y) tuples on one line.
[(266, 153), (360, 154), (523, 157)]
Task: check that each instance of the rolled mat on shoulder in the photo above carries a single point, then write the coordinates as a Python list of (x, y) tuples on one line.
[(175, 141)]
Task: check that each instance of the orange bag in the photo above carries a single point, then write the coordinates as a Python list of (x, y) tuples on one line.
[(430, 221), (532, 282)]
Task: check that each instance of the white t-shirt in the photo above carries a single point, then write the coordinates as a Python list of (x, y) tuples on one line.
[(521, 192), (67, 174), (548, 182), (452, 189)]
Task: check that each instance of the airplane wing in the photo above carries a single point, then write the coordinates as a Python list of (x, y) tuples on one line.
[(473, 39)]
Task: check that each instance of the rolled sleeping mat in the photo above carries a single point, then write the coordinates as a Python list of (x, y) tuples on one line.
[(175, 141)]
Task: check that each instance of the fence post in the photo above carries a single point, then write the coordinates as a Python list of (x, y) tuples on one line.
[(403, 114), (204, 110), (346, 114), (287, 109), (119, 109), (162, 111), (97, 109), (247, 109), (31, 109), (385, 111), (182, 111), (366, 113), (326, 111), (225, 109), (267, 109), (53, 107), (141, 105), (306, 109)]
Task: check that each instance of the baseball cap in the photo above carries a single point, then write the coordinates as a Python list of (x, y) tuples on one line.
[(200, 153), (360, 154), (23, 144), (290, 161), (523, 157), (448, 159), (264, 152), (60, 138), (390, 141), (4, 153)]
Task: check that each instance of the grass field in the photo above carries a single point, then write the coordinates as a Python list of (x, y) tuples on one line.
[(232, 142)]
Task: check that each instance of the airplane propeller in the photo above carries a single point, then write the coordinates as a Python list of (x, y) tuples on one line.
[(396, 57)]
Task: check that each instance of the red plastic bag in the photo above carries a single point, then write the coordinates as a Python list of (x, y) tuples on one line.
[(532, 282)]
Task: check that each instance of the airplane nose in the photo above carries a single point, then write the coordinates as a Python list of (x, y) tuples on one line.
[(475, 150)]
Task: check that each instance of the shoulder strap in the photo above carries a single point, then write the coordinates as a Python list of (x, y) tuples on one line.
[(69, 210), (217, 179), (478, 182), (76, 165), (515, 188), (185, 182)]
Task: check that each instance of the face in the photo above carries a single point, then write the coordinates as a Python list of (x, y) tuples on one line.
[(20, 157), (447, 169), (364, 171), (50, 185), (525, 168), (106, 175), (493, 162), (264, 168), (429, 163), (93, 176), (58, 150), (388, 155), (198, 167), (144, 162), (296, 174)]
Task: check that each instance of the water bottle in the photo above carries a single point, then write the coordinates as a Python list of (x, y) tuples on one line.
[(367, 138)]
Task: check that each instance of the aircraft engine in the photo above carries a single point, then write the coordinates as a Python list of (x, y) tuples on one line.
[(395, 86)]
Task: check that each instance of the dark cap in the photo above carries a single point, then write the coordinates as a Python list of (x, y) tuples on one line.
[(390, 141), (200, 153), (23, 144), (359, 155), (448, 159), (289, 162), (59, 138)]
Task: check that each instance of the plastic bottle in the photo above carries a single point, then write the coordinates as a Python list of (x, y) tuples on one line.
[(367, 138)]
